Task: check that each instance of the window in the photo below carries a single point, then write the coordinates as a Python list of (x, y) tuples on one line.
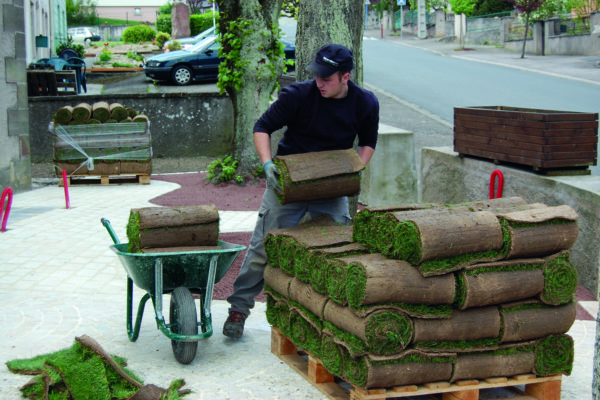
[(138, 11)]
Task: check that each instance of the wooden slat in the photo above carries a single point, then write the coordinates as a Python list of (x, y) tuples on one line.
[(585, 136), (525, 153), (527, 113), (533, 128), (522, 160)]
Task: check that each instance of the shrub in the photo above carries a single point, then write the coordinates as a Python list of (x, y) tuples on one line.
[(161, 38), (223, 171), (163, 23), (79, 49), (201, 22), (105, 55), (174, 45), (138, 33)]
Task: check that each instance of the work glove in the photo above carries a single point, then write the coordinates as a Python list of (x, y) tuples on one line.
[(272, 173)]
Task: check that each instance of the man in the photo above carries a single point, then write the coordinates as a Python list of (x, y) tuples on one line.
[(326, 113)]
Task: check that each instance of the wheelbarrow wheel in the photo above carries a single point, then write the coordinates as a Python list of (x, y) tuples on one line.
[(183, 320)]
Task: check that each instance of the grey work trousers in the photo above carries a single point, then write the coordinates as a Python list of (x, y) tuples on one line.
[(273, 215)]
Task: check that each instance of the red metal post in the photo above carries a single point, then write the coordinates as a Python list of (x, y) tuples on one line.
[(66, 185), (8, 195), (497, 195)]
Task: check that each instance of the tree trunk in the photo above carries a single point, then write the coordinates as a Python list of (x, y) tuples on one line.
[(330, 21), (525, 38), (250, 95)]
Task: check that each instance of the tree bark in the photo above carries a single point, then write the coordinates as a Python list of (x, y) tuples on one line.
[(330, 21), (259, 72)]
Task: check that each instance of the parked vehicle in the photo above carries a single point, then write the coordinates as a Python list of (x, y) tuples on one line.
[(188, 42), (200, 62), (81, 34)]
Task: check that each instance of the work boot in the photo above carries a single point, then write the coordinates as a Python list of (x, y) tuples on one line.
[(234, 326)]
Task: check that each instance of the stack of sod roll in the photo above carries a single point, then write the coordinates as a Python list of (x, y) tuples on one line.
[(425, 292), (101, 139), (159, 229)]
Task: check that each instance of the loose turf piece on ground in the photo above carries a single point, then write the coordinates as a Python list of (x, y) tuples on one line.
[(152, 227), (319, 175)]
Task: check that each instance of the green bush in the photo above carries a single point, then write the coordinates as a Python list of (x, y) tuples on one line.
[(139, 33), (201, 22), (174, 45), (78, 48), (163, 23), (161, 38), (223, 171), (105, 55)]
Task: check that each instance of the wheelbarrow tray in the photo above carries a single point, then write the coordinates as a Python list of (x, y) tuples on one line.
[(188, 269)]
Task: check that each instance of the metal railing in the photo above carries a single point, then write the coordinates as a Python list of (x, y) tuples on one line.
[(412, 17), (486, 22)]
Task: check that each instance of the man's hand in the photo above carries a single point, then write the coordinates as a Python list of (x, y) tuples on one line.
[(272, 173)]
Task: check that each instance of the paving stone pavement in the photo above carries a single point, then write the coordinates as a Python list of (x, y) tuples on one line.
[(60, 280)]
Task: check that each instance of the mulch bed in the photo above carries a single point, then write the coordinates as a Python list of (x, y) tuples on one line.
[(195, 190)]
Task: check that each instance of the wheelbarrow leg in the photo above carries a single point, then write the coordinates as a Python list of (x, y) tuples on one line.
[(133, 332), (210, 285)]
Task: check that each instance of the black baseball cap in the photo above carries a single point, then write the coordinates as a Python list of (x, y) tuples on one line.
[(330, 59)]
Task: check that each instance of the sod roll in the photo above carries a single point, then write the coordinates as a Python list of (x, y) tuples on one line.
[(554, 354), (306, 330), (426, 235), (407, 369), (319, 175), (373, 279), (278, 280), (283, 245), (309, 259), (118, 112), (533, 320), (492, 364), (82, 112), (560, 279), (64, 115), (540, 232), (151, 227), (382, 331), (305, 294), (101, 111), (472, 324), (499, 282)]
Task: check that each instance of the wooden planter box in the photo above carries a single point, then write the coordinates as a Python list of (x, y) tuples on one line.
[(541, 139)]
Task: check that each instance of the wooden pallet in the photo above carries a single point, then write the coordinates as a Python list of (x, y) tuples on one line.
[(79, 180), (311, 368)]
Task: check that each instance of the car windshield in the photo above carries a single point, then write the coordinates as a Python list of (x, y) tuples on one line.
[(201, 45)]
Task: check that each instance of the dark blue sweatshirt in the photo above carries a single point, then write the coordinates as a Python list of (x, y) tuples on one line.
[(315, 123)]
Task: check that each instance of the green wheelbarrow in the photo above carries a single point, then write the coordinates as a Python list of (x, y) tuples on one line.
[(182, 274)]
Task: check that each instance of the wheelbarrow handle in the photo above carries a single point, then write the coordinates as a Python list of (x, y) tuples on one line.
[(110, 230)]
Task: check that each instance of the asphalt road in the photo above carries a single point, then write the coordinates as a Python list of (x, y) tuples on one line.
[(438, 84)]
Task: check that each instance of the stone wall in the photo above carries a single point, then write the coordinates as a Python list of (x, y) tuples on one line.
[(184, 126)]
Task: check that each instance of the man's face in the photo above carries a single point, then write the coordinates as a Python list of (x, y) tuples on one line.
[(334, 86)]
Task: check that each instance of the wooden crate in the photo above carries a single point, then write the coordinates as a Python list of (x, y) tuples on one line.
[(498, 388), (48, 82), (541, 139)]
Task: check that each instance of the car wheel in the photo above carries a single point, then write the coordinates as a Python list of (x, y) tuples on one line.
[(182, 75)]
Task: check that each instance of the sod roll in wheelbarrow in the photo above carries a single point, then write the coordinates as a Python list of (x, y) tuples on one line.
[(160, 227), (319, 175)]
